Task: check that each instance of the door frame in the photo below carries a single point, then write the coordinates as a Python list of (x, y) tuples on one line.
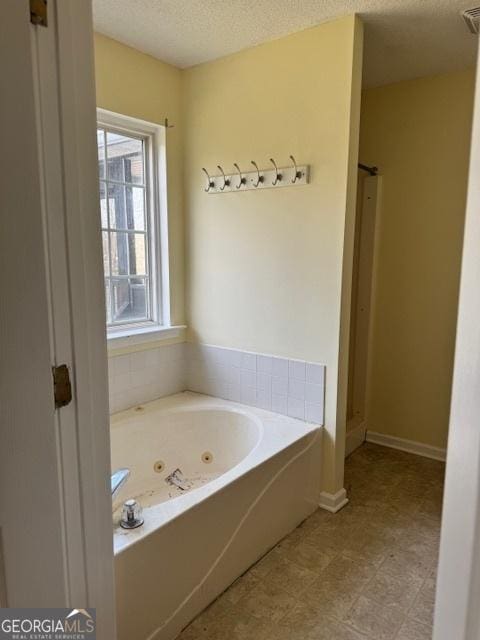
[(457, 614), (63, 274), (77, 107)]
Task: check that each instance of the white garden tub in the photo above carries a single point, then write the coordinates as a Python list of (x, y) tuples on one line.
[(247, 478)]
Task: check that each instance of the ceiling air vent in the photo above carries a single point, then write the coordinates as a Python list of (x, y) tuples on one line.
[(472, 18)]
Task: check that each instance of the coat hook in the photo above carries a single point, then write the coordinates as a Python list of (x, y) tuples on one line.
[(259, 177), (298, 174), (210, 182), (242, 180), (278, 176), (226, 181)]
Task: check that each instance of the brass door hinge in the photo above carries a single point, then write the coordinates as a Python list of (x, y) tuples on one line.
[(38, 12), (62, 388)]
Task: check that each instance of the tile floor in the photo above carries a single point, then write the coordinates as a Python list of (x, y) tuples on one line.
[(365, 573)]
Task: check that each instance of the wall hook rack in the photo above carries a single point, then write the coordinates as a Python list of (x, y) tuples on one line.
[(258, 179)]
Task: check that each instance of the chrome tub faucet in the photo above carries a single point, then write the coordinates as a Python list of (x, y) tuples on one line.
[(118, 479)]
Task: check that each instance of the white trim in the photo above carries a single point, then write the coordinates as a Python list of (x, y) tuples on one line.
[(355, 437), (157, 205), (457, 614), (410, 446), (140, 335), (127, 123), (75, 59), (54, 214), (333, 502), (56, 518), (34, 563)]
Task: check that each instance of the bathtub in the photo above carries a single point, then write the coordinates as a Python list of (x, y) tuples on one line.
[(220, 484)]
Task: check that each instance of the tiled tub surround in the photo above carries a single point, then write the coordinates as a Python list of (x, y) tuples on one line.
[(295, 388), (143, 376), (290, 387), (263, 480)]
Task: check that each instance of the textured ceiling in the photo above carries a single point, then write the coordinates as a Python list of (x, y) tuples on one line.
[(404, 38)]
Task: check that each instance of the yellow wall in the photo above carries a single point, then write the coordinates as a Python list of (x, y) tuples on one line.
[(137, 85), (264, 269), (417, 132)]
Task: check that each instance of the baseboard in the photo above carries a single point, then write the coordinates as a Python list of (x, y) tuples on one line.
[(333, 502), (411, 446), (355, 437)]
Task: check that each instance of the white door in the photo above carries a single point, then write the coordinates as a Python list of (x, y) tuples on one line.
[(457, 610), (55, 509)]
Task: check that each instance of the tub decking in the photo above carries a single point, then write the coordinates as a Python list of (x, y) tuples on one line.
[(192, 547), (162, 503)]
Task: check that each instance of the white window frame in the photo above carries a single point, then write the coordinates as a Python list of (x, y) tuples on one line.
[(157, 221)]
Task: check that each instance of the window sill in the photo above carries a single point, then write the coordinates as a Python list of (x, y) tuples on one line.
[(140, 335)]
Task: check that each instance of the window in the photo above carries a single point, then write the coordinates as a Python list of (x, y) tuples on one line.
[(130, 220)]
